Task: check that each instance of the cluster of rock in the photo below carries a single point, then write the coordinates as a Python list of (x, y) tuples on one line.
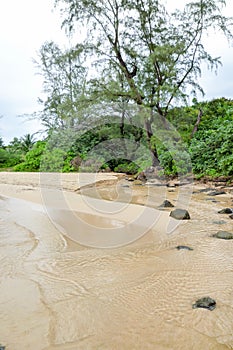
[(151, 177)]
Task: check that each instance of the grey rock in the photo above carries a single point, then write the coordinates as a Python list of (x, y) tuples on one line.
[(216, 193), (166, 204), (205, 303), (183, 247), (219, 222), (2, 347), (180, 214), (206, 189), (225, 211), (223, 235)]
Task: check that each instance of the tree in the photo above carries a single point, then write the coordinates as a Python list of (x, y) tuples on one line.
[(157, 53), (27, 142), (64, 79), (1, 142)]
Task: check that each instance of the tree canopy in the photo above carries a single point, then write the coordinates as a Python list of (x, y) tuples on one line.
[(156, 54), (129, 62)]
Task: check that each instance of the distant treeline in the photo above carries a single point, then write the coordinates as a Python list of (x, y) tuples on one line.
[(205, 140)]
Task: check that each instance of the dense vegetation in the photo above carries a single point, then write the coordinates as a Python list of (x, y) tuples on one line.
[(210, 147), (111, 93)]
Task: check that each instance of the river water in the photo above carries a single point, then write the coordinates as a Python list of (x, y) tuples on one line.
[(58, 294)]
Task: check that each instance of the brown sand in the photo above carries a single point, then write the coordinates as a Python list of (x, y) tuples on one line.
[(56, 293)]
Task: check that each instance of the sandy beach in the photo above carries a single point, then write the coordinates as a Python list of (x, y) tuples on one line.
[(90, 261)]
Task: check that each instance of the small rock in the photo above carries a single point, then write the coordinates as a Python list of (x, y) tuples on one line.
[(2, 347), (216, 193), (180, 214), (184, 247), (223, 235), (231, 216), (166, 204), (219, 222), (206, 189), (205, 303), (225, 211), (142, 176), (171, 184), (131, 179), (154, 172), (75, 162)]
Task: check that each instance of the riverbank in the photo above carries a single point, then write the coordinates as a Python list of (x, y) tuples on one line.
[(59, 294)]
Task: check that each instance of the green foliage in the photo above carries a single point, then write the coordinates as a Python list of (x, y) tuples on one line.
[(32, 158), (109, 146), (56, 160), (53, 161), (143, 55), (9, 158), (22, 145), (175, 160), (127, 167), (143, 51), (211, 149)]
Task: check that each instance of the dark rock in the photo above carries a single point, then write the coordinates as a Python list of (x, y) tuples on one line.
[(216, 193), (150, 170), (205, 303), (225, 211), (75, 162), (2, 347), (171, 185), (180, 214), (154, 172), (206, 189), (212, 200), (142, 176), (184, 247), (223, 235), (166, 204), (231, 216), (131, 179)]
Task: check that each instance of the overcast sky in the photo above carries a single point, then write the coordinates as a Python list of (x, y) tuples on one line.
[(25, 25)]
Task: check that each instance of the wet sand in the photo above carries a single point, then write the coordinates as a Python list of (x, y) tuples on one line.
[(56, 293)]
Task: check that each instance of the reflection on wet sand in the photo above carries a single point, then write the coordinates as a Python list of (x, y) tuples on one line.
[(58, 294)]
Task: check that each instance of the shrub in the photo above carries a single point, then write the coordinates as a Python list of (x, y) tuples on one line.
[(32, 158)]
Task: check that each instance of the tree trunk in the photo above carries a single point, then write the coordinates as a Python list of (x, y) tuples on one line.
[(197, 122), (153, 150)]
